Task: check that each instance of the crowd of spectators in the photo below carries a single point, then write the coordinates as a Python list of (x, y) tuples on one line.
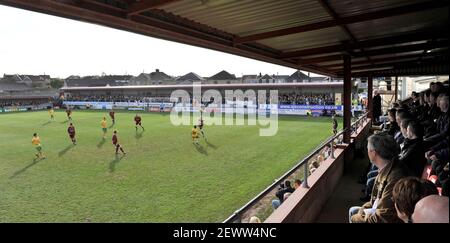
[(307, 99), (23, 103), (290, 98), (116, 98), (407, 179)]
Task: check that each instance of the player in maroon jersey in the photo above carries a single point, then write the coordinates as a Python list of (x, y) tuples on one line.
[(138, 121), (115, 141), (71, 132)]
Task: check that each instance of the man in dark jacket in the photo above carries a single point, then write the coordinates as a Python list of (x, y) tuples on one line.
[(439, 156), (393, 126), (382, 151), (413, 153), (376, 106), (399, 117), (286, 187), (442, 122)]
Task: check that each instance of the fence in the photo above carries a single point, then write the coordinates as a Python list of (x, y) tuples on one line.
[(237, 216)]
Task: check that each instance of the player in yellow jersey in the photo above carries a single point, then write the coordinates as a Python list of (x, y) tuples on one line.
[(104, 129), (194, 134), (52, 114), (36, 141)]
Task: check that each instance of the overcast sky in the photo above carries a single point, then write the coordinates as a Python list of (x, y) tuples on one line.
[(34, 43)]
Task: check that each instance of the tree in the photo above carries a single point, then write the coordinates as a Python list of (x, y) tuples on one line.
[(56, 83)]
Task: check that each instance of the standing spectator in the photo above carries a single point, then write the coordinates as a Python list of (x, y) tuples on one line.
[(376, 106)]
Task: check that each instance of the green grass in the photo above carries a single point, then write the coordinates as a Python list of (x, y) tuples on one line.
[(164, 178)]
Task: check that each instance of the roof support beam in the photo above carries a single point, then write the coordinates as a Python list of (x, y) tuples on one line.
[(336, 17), (145, 5), (384, 59), (377, 52), (400, 49), (405, 38), (345, 20), (370, 95), (396, 64), (347, 93)]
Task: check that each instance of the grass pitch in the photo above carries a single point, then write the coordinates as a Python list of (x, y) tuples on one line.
[(164, 177)]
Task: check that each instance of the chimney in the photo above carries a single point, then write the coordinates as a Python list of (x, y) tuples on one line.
[(157, 70)]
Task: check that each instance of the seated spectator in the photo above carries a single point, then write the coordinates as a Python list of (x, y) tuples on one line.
[(313, 166), (393, 127), (431, 209), (297, 184), (326, 152), (407, 192), (320, 159), (441, 122), (413, 153), (382, 151), (254, 220), (399, 117), (284, 188), (438, 155), (404, 130), (276, 202)]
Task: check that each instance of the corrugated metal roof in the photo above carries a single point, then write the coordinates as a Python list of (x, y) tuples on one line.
[(247, 17), (346, 8), (311, 39), (398, 24), (268, 30)]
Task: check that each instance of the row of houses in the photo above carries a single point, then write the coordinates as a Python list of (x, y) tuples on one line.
[(27, 85), (30, 81), (23, 82), (160, 78)]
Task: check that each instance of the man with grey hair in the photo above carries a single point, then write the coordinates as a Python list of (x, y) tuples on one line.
[(383, 153), (431, 209)]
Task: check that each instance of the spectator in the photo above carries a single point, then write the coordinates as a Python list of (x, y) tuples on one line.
[(254, 220), (313, 166), (393, 126), (404, 130), (442, 121), (399, 117), (284, 188), (307, 99), (376, 105), (382, 151), (413, 153), (431, 209), (297, 183), (407, 192)]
